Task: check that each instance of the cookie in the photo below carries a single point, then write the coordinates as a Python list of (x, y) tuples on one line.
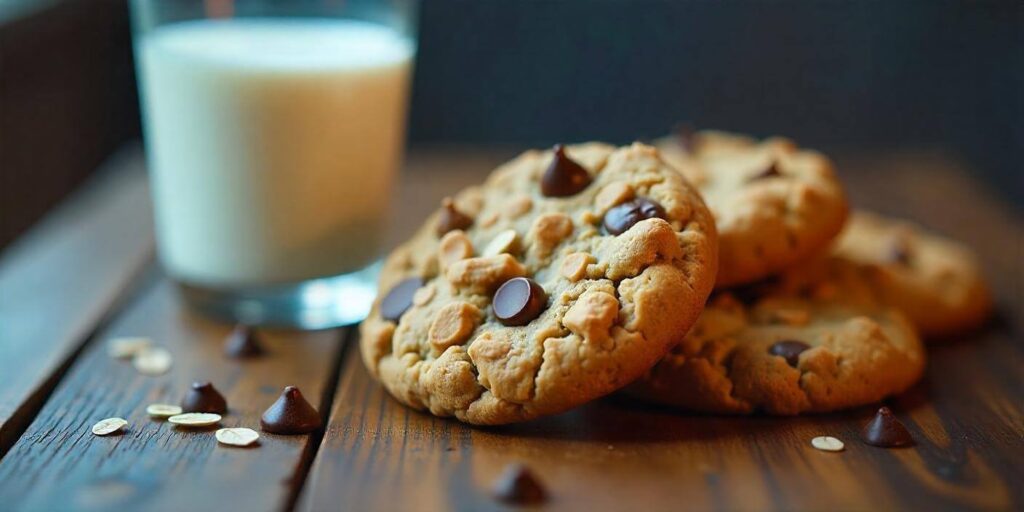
[(564, 277), (935, 281), (774, 203), (787, 354)]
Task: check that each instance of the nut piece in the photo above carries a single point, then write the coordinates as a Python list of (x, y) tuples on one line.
[(592, 316), (453, 325), (502, 242), (484, 273), (548, 231), (574, 265), (163, 410), (454, 246), (423, 295), (109, 426), (237, 436), (518, 206), (827, 444), (153, 361), (792, 316), (195, 419), (123, 348), (613, 194)]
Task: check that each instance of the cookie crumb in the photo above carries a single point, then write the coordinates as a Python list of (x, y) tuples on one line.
[(163, 410), (195, 419), (109, 426), (153, 361), (127, 347), (237, 436), (827, 444)]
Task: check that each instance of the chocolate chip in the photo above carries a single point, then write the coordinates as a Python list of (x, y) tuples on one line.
[(451, 218), (771, 172), (518, 301), (399, 298), (886, 430), (242, 343), (203, 397), (564, 176), (620, 218), (291, 414), (518, 486), (788, 349)]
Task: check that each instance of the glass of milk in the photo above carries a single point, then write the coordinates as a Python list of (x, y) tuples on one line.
[(273, 132)]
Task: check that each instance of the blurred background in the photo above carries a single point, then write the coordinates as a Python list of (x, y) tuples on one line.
[(841, 76)]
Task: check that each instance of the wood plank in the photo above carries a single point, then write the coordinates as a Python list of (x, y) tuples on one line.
[(612, 455), (59, 280), (58, 464)]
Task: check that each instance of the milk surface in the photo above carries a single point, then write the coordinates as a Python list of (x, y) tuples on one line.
[(272, 144)]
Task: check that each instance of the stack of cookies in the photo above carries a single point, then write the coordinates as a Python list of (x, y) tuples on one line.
[(712, 272)]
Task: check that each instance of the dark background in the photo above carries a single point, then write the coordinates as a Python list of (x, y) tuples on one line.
[(868, 76)]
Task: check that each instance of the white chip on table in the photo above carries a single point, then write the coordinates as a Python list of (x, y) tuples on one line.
[(153, 361), (122, 348), (195, 419), (163, 410), (109, 426), (827, 443), (237, 436)]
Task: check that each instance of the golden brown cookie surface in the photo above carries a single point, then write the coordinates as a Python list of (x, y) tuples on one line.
[(622, 256), (774, 203)]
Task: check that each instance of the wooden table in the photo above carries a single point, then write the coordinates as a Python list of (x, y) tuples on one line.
[(86, 274)]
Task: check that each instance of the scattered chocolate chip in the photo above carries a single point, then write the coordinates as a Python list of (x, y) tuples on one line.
[(203, 397), (620, 218), (399, 298), (886, 430), (771, 172), (451, 218), (790, 350), (564, 176), (242, 343), (518, 486), (899, 251), (291, 414), (518, 301)]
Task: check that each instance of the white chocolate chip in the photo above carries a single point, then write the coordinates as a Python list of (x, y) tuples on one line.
[(109, 426), (827, 444), (153, 361), (237, 436), (195, 419), (502, 242), (123, 348), (163, 410)]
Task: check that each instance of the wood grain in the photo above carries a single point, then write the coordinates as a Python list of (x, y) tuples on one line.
[(58, 282), (378, 455), (613, 455), (58, 464)]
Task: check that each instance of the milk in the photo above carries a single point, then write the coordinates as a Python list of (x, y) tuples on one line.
[(272, 145)]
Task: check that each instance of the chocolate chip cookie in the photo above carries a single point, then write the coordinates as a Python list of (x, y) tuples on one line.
[(774, 203), (787, 354), (935, 281), (564, 277)]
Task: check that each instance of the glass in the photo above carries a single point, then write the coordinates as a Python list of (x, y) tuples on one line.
[(273, 132)]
